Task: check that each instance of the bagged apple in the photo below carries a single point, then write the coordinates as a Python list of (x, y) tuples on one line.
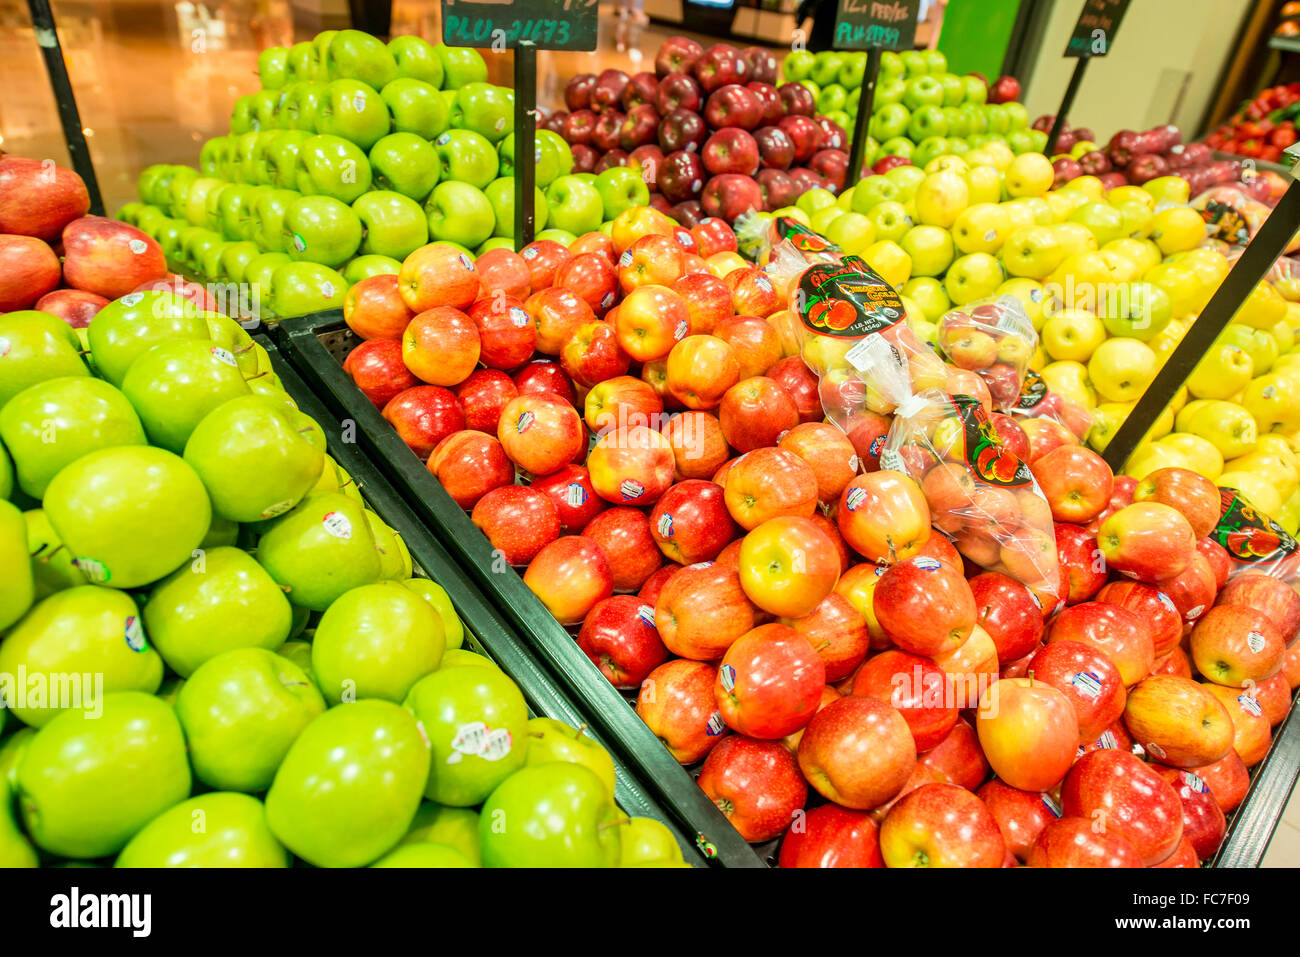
[(1253, 541), (784, 240), (1230, 214), (981, 495), (1039, 402), (995, 339)]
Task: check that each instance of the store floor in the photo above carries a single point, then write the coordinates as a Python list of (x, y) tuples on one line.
[(153, 80), (1284, 850)]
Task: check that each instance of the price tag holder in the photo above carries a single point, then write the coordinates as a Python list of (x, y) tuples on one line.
[(1095, 32), (885, 24), (545, 24)]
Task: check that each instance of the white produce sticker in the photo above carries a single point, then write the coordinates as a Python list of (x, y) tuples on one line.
[(338, 525), (476, 739), (1255, 641), (223, 355)]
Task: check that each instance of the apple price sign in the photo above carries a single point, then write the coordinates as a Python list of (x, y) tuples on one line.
[(504, 24), (886, 24), (1095, 31)]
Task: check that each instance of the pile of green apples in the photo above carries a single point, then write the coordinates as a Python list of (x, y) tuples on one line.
[(352, 155), (920, 110), (201, 621)]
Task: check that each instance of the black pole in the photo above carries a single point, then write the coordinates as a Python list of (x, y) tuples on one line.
[(862, 125), (525, 141), (1076, 78), (1256, 260), (47, 38)]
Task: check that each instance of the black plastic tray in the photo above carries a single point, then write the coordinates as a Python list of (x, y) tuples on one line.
[(485, 629), (307, 342)]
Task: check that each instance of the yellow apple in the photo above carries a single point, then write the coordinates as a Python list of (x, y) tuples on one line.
[(826, 353), (1122, 368), (1205, 458), (1030, 293), (1257, 488), (940, 199), (852, 232), (1081, 147), (928, 294), (1148, 457), (1089, 185), (1070, 379), (1228, 427), (1032, 252), (1142, 252), (1282, 474), (1168, 189), (1180, 283), (1000, 155), (1273, 400), (1139, 222), (1072, 334), (931, 249), (1019, 213), (1289, 516), (821, 219), (1106, 420), (1075, 238), (1284, 335), (984, 182), (1081, 278), (845, 200), (973, 276), (981, 228), (1130, 194), (954, 164), (1178, 229), (1263, 309), (1179, 400), (1030, 174), (890, 260), (1122, 269), (1223, 370)]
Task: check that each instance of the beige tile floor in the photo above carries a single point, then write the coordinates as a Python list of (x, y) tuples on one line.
[(1284, 850)]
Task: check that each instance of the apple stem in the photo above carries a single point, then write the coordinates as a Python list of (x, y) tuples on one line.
[(609, 824), (257, 376), (1030, 675)]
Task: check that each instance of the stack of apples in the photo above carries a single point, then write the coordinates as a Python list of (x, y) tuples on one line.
[(920, 110), (202, 619), (781, 604), (354, 154), (56, 258), (707, 134)]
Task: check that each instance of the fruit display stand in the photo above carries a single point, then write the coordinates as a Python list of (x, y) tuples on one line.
[(486, 632), (315, 345)]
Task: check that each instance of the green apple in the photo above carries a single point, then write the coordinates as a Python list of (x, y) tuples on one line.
[(88, 783), (890, 121), (831, 98), (71, 636), (53, 566), (646, 840), (235, 259), (273, 67), (220, 829), (332, 166), (301, 106), (6, 474), (195, 241), (973, 276), (15, 850), (221, 600), (928, 293), (35, 346), (354, 55), (301, 288), (553, 157), (236, 205), (302, 63), (977, 91), (175, 384), (453, 631), (416, 107), (151, 184), (376, 641), (417, 59), (127, 327), (13, 747), (552, 740), (320, 549), (459, 213), (500, 194), (347, 790), (897, 146), (927, 122), (282, 158), (820, 221), (1137, 310), (394, 225), (461, 66), (241, 115), (890, 221), (266, 111), (1033, 252), (18, 587), (53, 423), (558, 815), (485, 109), (620, 188), (266, 227), (221, 532), (575, 205), (353, 111), (363, 267), (406, 164), (179, 188), (826, 67), (242, 710), (424, 855), (561, 236), (797, 65), (889, 90), (321, 229), (476, 722), (931, 249), (954, 89), (814, 199), (935, 62), (467, 157), (250, 157), (907, 179), (254, 436), (922, 91), (852, 232), (196, 200), (130, 514), (321, 42), (1104, 221), (258, 273), (872, 191)]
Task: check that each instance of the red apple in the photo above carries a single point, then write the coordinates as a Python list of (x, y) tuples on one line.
[(1217, 556), (769, 683), (883, 516), (503, 271), (1237, 646), (924, 607), (507, 335), (619, 637), (108, 257), (1021, 815), (1203, 821), (676, 703), (916, 687), (804, 134), (755, 784), (1227, 779), (1151, 604), (577, 92), (733, 105), (1008, 611), (39, 198), (1117, 632), (374, 308), (690, 522), (1080, 559), (838, 633), (702, 610), (677, 55), (541, 432), (1192, 494), (1075, 481), (730, 150), (470, 464), (624, 535), (719, 65), (832, 836), (730, 195), (1128, 798), (857, 752), (941, 825), (73, 306), (544, 258), (797, 99), (1147, 540), (575, 501), (682, 131), (1079, 842), (377, 368), (441, 346), (570, 575), (424, 415), (1273, 598), (519, 521), (756, 412), (958, 758), (1028, 731)]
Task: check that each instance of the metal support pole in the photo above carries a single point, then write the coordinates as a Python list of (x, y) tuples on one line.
[(525, 141), (1076, 79), (862, 125)]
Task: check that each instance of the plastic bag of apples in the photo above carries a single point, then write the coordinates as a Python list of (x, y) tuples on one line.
[(981, 495), (1039, 402), (1253, 541), (995, 339)]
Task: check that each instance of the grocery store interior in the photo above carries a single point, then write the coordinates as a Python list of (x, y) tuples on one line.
[(846, 456)]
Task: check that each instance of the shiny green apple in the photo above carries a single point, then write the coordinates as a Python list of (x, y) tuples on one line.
[(220, 829), (550, 815)]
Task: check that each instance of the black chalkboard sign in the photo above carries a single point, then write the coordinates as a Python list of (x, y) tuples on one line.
[(1096, 29), (504, 24), (887, 24)]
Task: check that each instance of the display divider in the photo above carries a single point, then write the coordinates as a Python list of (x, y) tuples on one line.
[(1250, 268), (485, 627), (609, 714)]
